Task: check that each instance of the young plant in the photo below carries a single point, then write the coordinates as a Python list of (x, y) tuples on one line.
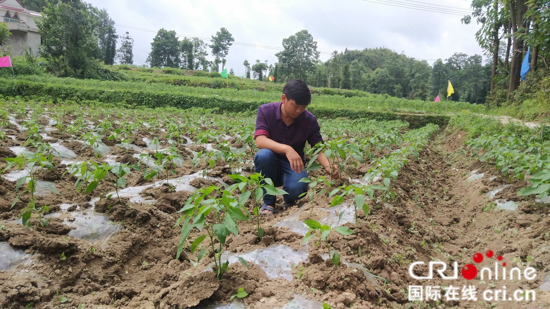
[(313, 183), (322, 231), (32, 164), (223, 214), (241, 293), (358, 192), (260, 186)]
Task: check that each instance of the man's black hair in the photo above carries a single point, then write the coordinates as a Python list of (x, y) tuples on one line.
[(298, 91)]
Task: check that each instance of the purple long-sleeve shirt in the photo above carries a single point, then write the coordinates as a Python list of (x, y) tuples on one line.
[(304, 128)]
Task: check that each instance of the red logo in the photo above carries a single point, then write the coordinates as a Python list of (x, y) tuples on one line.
[(469, 272)]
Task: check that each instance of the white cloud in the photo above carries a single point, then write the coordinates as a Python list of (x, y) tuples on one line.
[(335, 25)]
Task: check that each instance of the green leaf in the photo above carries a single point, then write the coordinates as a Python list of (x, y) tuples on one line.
[(366, 209), (305, 180), (201, 254), (307, 238), (26, 217), (337, 200), (343, 230), (14, 201), (196, 243), (91, 187), (150, 175), (237, 214), (20, 182), (230, 225), (271, 190), (221, 232), (258, 194), (542, 176), (359, 200), (325, 234), (63, 257), (63, 299), (331, 194), (326, 306), (269, 181), (531, 191), (336, 259), (260, 232), (313, 224), (245, 264), (51, 186), (313, 167), (387, 182), (379, 188), (241, 293), (244, 197), (121, 182)]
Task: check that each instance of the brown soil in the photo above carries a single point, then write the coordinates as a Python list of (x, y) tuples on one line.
[(436, 215)]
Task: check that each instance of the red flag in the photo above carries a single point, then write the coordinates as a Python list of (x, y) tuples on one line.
[(5, 62)]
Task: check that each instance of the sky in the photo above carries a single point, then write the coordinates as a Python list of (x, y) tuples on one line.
[(334, 25)]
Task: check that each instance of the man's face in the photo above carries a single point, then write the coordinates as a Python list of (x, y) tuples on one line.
[(290, 107)]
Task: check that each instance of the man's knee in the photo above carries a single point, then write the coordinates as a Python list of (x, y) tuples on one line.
[(297, 190), (264, 155)]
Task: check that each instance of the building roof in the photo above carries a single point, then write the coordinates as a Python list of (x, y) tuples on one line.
[(21, 9)]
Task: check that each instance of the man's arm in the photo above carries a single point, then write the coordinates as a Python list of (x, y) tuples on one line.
[(293, 157), (324, 161)]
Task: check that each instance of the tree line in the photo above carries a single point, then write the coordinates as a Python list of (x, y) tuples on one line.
[(190, 53), (78, 37)]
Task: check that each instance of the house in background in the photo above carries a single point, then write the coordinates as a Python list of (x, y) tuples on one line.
[(21, 23)]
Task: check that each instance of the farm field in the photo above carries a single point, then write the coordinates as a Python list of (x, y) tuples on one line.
[(103, 206)]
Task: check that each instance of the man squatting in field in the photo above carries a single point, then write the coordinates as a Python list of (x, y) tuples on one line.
[(282, 129)]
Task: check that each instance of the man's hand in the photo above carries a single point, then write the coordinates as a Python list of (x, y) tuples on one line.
[(335, 171), (295, 160)]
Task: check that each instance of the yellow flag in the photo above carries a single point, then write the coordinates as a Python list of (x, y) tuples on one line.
[(450, 90)]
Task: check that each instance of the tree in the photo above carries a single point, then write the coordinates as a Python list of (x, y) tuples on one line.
[(490, 15), (107, 37), (247, 68), (517, 17), (382, 82), (299, 55), (194, 54), (34, 5), (165, 50), (439, 78), (345, 83), (68, 38), (187, 54), (355, 72), (334, 71), (231, 72), (221, 43), (4, 34), (125, 53), (259, 69)]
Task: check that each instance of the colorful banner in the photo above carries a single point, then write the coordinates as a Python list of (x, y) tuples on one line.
[(5, 62), (450, 90), (224, 73), (525, 67), (437, 99)]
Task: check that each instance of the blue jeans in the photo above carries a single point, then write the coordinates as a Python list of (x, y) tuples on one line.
[(278, 170)]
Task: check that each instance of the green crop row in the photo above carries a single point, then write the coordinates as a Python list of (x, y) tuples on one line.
[(177, 77), (227, 100)]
